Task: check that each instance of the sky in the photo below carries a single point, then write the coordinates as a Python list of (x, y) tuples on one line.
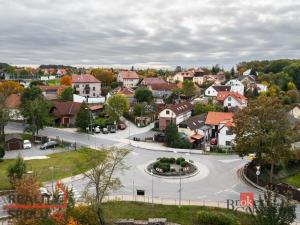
[(148, 33)]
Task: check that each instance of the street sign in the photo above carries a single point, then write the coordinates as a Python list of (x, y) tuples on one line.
[(257, 173)]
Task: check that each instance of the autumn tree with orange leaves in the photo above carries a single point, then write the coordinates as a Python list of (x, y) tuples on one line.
[(66, 80)]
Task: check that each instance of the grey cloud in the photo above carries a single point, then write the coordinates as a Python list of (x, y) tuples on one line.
[(127, 32)]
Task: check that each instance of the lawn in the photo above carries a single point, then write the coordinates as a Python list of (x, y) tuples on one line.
[(293, 180), (184, 215), (53, 82), (65, 164)]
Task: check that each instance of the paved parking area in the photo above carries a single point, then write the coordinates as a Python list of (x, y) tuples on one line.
[(34, 151)]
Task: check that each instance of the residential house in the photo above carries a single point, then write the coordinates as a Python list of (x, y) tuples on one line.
[(195, 75), (65, 113), (161, 91), (221, 123), (52, 92), (128, 79), (232, 99), (13, 142), (247, 80), (213, 90), (152, 80), (236, 86), (175, 113), (87, 86), (13, 103), (127, 92), (195, 125)]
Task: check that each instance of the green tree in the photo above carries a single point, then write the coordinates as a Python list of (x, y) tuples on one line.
[(200, 108), (273, 210), (67, 94), (139, 109), (294, 71), (143, 95), (171, 134), (101, 178), (291, 86), (83, 117), (36, 113), (178, 69), (188, 88), (15, 172), (30, 94), (117, 106), (2, 152), (263, 128)]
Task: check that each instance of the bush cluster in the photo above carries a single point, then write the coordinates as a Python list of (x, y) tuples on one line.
[(165, 167), (216, 218)]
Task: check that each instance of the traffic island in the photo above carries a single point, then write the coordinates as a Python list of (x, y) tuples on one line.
[(172, 168)]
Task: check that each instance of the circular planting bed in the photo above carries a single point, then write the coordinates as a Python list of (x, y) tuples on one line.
[(172, 167)]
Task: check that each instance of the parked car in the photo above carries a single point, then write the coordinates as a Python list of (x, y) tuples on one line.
[(214, 141), (112, 129), (105, 130), (97, 130), (49, 144), (121, 126), (26, 144)]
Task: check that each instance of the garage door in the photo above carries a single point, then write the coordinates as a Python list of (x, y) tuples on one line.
[(14, 146)]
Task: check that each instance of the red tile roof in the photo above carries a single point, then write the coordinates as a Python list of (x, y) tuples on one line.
[(215, 118), (222, 95), (124, 90), (128, 75), (84, 79), (13, 101), (96, 107), (153, 80)]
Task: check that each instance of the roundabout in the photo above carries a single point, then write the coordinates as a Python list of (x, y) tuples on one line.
[(171, 168)]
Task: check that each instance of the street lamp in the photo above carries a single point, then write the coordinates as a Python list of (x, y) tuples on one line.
[(257, 173), (180, 184), (152, 174)]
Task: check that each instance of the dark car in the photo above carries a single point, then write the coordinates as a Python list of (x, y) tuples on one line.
[(121, 126), (49, 144), (112, 130)]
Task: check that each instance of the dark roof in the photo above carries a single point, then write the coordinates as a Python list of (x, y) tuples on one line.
[(163, 87), (67, 107), (195, 122), (13, 136), (180, 107), (221, 88)]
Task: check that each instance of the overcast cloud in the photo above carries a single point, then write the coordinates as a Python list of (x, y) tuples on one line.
[(148, 32)]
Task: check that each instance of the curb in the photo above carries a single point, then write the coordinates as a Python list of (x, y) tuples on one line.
[(247, 180)]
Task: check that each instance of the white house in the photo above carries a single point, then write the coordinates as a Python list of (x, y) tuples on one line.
[(232, 100), (175, 113), (87, 86), (128, 78), (225, 135), (213, 90), (236, 86)]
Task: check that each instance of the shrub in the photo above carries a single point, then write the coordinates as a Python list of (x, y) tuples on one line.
[(181, 143), (2, 152), (167, 160), (165, 167), (180, 159), (26, 136), (216, 218)]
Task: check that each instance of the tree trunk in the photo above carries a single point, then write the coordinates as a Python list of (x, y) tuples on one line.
[(100, 216), (271, 171)]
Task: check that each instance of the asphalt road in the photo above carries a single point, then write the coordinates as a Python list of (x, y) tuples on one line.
[(216, 181)]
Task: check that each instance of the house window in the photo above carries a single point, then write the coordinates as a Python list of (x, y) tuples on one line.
[(229, 104), (94, 94), (228, 143), (167, 112), (229, 132), (208, 92), (94, 88), (229, 98)]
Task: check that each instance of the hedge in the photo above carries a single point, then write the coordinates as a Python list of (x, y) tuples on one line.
[(216, 218)]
